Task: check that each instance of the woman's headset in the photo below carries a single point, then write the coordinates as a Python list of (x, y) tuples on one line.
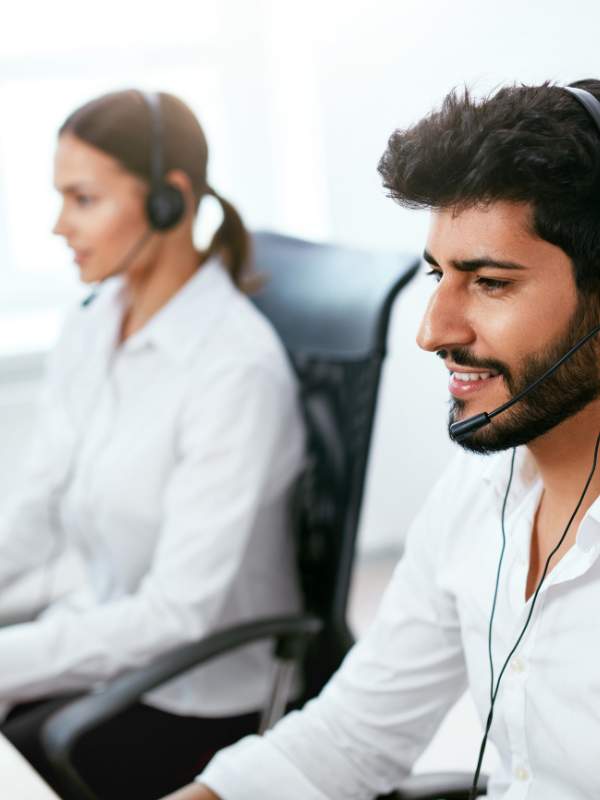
[(165, 204)]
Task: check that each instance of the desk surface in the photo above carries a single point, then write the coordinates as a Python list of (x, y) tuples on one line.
[(17, 779)]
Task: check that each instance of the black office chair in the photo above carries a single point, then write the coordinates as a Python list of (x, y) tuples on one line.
[(331, 307)]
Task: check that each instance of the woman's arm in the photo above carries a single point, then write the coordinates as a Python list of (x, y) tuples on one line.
[(31, 546), (237, 447)]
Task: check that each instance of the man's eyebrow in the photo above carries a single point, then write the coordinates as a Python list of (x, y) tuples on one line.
[(472, 264)]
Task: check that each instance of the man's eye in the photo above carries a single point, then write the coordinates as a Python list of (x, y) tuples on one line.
[(492, 284), (435, 274)]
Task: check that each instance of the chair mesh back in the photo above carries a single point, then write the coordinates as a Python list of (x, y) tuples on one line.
[(331, 308), (338, 401)]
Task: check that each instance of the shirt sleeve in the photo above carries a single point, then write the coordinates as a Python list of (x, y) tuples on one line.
[(27, 595), (30, 544), (232, 431), (377, 714)]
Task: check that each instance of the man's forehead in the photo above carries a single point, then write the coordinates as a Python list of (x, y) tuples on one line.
[(489, 222), (501, 231)]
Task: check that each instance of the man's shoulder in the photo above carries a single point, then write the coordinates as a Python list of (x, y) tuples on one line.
[(465, 494)]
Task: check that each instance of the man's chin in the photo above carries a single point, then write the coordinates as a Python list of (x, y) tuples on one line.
[(492, 438), (502, 434)]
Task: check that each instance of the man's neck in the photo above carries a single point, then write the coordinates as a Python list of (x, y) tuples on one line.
[(564, 457)]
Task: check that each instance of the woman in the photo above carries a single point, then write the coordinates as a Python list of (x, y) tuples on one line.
[(155, 505)]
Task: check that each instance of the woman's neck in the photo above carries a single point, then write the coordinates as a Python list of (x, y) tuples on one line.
[(149, 289)]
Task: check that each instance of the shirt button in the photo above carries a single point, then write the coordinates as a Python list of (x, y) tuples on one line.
[(517, 665), (522, 774)]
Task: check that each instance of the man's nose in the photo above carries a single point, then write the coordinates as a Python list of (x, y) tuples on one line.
[(445, 324)]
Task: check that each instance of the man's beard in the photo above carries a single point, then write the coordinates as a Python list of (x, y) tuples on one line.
[(575, 384)]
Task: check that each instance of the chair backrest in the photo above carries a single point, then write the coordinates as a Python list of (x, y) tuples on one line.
[(331, 307)]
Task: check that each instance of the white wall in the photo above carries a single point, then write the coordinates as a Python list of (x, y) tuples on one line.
[(298, 100)]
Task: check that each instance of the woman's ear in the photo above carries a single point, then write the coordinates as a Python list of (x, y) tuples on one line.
[(181, 180)]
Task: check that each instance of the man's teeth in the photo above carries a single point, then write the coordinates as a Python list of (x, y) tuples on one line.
[(472, 376)]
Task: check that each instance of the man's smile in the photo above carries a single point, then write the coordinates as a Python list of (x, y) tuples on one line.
[(466, 381)]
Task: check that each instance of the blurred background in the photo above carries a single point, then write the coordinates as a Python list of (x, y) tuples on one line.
[(297, 101)]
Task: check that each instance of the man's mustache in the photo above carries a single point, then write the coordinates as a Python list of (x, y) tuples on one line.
[(463, 358)]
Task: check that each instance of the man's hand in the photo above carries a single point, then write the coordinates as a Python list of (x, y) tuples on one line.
[(194, 791)]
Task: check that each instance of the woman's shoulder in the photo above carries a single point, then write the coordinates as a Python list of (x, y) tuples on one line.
[(242, 357), (242, 335), (250, 328)]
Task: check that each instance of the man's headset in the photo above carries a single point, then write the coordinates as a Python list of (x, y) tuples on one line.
[(165, 203), (462, 430)]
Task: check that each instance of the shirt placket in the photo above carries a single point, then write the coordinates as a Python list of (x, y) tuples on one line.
[(101, 427), (515, 681), (513, 692), (514, 700)]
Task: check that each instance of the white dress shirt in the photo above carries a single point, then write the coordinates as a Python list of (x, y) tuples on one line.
[(429, 640), (155, 505)]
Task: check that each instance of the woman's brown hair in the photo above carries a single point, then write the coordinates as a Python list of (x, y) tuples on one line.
[(120, 124)]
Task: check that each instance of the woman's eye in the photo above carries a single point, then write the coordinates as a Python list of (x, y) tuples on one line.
[(84, 199), (435, 274)]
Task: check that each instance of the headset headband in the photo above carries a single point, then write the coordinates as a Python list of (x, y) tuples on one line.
[(588, 101), (165, 203), (152, 100)]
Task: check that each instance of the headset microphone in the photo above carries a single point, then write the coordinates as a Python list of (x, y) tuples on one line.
[(461, 430)]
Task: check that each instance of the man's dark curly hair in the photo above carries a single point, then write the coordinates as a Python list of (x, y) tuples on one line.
[(533, 144)]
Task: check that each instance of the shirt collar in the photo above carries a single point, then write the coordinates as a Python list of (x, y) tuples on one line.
[(589, 531), (180, 326), (496, 473)]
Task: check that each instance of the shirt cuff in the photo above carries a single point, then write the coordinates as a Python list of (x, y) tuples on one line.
[(254, 768)]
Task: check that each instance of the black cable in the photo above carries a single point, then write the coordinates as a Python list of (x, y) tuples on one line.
[(494, 695), (502, 549)]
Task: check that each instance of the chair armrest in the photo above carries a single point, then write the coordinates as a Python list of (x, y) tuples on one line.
[(62, 729), (439, 786)]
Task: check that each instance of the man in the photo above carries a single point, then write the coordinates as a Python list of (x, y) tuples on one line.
[(514, 246)]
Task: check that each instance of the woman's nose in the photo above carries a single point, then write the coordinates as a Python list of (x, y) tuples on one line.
[(61, 227)]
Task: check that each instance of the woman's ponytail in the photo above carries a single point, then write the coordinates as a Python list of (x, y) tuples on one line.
[(232, 242)]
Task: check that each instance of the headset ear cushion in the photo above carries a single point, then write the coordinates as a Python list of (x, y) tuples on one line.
[(165, 206)]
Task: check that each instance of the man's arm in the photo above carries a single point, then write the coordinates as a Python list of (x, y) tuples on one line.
[(361, 736), (194, 791)]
